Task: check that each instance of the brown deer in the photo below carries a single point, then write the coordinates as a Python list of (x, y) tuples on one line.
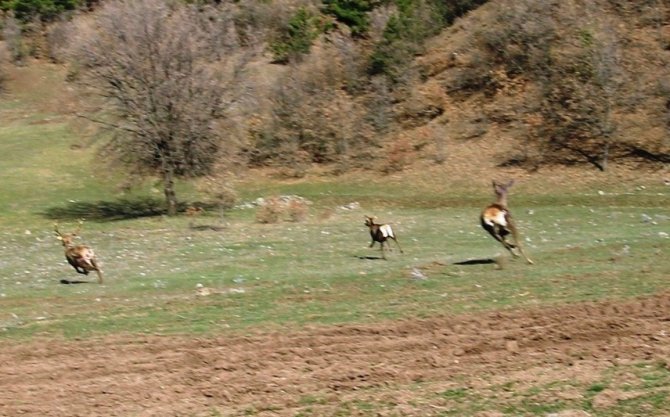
[(497, 220), (193, 212), (81, 257), (380, 233)]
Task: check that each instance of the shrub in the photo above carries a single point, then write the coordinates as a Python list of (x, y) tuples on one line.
[(400, 154), (393, 53), (405, 32), (269, 211), (352, 13), (13, 36), (296, 38), (453, 9), (57, 40), (27, 10), (520, 38), (297, 210), (287, 207), (403, 37)]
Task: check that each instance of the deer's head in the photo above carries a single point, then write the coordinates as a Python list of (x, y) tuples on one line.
[(67, 238), (370, 221), (500, 189)]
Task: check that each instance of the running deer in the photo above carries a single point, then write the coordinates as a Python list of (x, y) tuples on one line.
[(193, 212), (497, 220), (380, 233), (81, 257)]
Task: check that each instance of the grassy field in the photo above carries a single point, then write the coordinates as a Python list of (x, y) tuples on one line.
[(587, 243), (321, 270), (239, 276)]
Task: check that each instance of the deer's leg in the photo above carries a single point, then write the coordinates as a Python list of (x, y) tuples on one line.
[(98, 271), (395, 239), (510, 247), (495, 232), (519, 247), (76, 266), (381, 244), (372, 243), (504, 232), (525, 256)]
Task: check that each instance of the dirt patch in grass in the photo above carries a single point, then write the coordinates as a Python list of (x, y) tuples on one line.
[(390, 367)]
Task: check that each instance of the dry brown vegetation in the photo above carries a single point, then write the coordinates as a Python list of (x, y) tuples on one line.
[(508, 84), (554, 83), (525, 84)]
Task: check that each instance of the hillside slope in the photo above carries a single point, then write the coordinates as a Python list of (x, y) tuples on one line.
[(491, 79), (511, 88)]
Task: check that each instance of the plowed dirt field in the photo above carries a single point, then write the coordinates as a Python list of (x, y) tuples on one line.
[(317, 371)]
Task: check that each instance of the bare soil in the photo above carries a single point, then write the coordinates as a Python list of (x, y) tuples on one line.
[(319, 369)]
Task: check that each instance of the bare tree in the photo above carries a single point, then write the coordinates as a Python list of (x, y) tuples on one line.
[(314, 118), (151, 62), (13, 36), (607, 77)]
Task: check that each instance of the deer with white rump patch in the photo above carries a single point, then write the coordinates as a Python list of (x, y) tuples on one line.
[(381, 233), (81, 257), (497, 220)]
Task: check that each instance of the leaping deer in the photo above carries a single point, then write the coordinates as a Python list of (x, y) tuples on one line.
[(497, 220), (380, 233), (81, 257)]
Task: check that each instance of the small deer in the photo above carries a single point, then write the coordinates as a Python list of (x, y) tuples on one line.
[(380, 233), (497, 220), (193, 212), (81, 257)]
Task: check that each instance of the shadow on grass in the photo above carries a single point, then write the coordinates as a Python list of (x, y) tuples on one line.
[(125, 208), (476, 262), (74, 281), (121, 209), (206, 227), (371, 258)]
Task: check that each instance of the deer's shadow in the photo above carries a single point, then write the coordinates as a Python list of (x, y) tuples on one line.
[(74, 281), (484, 261), (369, 258)]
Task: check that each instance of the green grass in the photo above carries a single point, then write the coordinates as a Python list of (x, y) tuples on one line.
[(319, 271), (587, 245)]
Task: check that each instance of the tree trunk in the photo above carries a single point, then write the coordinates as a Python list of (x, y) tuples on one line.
[(607, 128), (168, 188)]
